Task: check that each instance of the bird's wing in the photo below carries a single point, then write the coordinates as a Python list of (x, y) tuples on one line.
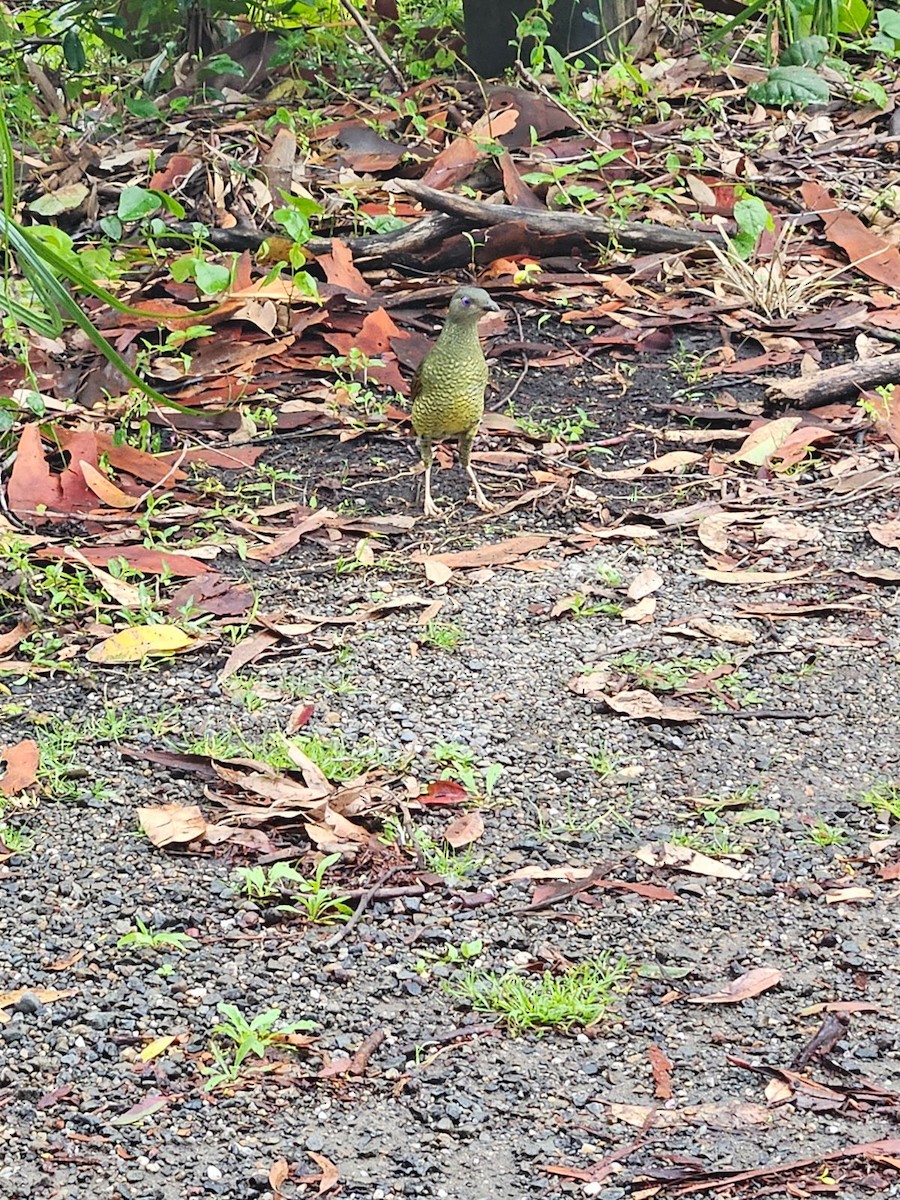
[(415, 385)]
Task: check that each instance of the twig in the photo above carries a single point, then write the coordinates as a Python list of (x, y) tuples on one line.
[(364, 903), (369, 34)]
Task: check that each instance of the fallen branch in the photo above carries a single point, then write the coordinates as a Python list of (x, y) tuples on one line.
[(630, 234), (835, 383)]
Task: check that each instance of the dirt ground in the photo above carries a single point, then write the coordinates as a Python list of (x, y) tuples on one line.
[(450, 1103)]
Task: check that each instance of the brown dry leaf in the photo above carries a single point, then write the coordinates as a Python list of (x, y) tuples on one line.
[(45, 995), (461, 154), (888, 575), (733, 1114), (750, 577), (886, 533), (11, 639), (248, 651), (661, 1066), (748, 985), (172, 824), (644, 584), (870, 253), (738, 635), (330, 1174), (675, 460), (436, 571), (849, 895), (22, 762), (493, 554), (126, 594), (105, 489), (637, 533), (713, 531), (278, 1173), (787, 529), (464, 830), (640, 613), (639, 704), (682, 858)]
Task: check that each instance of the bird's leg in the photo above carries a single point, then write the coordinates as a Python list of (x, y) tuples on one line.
[(429, 507), (465, 449)]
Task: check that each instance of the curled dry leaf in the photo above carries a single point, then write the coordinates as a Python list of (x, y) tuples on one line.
[(713, 531), (730, 1115), (172, 824), (682, 858), (739, 635), (745, 577), (444, 791), (642, 705), (748, 985), (464, 830)]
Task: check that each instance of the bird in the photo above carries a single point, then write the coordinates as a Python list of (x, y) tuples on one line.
[(447, 390)]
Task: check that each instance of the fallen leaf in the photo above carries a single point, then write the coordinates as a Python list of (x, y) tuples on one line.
[(464, 830), (763, 441), (745, 987), (682, 858), (639, 704), (105, 489), (750, 577), (148, 1107), (848, 894), (644, 584), (172, 824), (156, 1047), (436, 572), (640, 613), (886, 533), (330, 1173), (713, 531), (491, 554), (22, 762), (444, 791), (738, 635), (136, 642)]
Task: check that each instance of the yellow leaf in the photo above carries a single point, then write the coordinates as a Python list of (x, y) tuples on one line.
[(135, 643), (762, 443), (157, 1047)]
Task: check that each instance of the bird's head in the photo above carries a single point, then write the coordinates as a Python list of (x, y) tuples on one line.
[(470, 303)]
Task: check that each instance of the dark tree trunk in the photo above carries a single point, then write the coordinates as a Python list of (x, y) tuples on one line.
[(601, 25)]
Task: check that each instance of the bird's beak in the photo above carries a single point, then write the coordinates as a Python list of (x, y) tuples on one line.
[(491, 306)]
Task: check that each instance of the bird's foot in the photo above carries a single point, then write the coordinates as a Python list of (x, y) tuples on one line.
[(481, 500), (430, 509)]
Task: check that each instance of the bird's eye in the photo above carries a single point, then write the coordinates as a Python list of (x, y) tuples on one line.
[(466, 300)]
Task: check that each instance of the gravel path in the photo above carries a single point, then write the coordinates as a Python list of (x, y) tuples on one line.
[(436, 1112)]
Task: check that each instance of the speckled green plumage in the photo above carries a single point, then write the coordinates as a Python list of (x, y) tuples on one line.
[(447, 390)]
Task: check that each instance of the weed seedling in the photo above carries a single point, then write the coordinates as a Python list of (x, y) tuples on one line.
[(885, 799), (822, 834), (453, 866), (153, 939), (442, 635), (538, 1003), (235, 1038)]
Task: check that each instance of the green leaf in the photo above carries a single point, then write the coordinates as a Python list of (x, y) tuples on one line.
[(211, 277), (752, 219), (854, 17), (112, 227), (795, 86), (143, 107), (136, 203), (64, 199), (73, 51), (806, 52)]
